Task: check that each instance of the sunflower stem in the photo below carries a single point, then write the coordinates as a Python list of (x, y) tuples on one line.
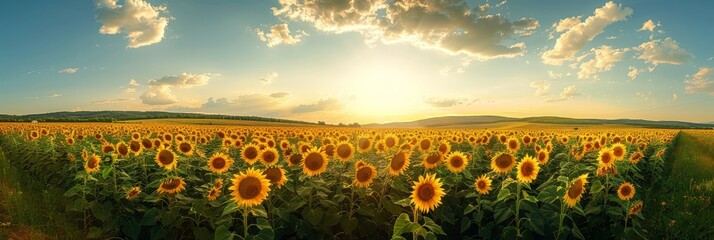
[(245, 223), (518, 207), (416, 221), (562, 217)]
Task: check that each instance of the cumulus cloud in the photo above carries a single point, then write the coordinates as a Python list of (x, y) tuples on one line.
[(248, 104), (138, 19), (130, 90), (649, 25), (269, 78), (700, 82), (567, 93), (69, 70), (605, 58), (183, 80), (279, 94), (158, 95), (542, 87), (668, 51), (326, 104), (133, 82), (633, 72), (554, 75), (112, 101), (449, 26), (447, 102), (575, 33), (279, 34)]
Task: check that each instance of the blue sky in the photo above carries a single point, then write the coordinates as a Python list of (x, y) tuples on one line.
[(361, 60)]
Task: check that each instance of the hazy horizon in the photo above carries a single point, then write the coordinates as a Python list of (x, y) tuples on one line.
[(361, 61)]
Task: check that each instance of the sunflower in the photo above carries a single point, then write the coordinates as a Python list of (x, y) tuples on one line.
[(483, 185), (213, 194), (268, 156), (365, 175), (456, 162), (314, 162), (107, 148), (219, 183), (122, 149), (186, 148), (606, 158), (636, 208), (635, 157), (295, 159), (512, 144), (171, 186), (427, 193), (576, 190), (618, 150), (543, 157), (220, 163), (328, 149), (166, 158), (503, 163), (133, 193), (359, 164), (276, 175), (69, 140), (390, 141), (345, 151), (626, 191), (249, 188), (92, 164), (250, 153), (399, 163), (527, 169), (444, 147), (136, 146), (364, 144), (424, 145), (432, 160)]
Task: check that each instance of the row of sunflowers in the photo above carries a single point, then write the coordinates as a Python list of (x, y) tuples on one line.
[(219, 182)]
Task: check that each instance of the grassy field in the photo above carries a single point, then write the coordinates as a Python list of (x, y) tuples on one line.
[(681, 208), (227, 122)]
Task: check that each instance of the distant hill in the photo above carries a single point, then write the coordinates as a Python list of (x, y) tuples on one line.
[(112, 116), (476, 121)]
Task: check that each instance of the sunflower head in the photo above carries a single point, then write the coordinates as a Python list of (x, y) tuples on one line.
[(133, 193), (576, 190), (503, 163), (606, 158), (166, 158), (295, 159), (512, 144), (344, 151), (618, 151), (250, 153), (433, 159), (427, 193), (635, 157), (214, 193), (635, 208), (314, 162), (626, 191), (220, 163), (268, 156), (185, 148), (107, 148), (483, 185), (92, 164), (364, 175), (424, 145), (528, 169), (135, 146), (122, 149), (444, 147), (249, 188), (399, 163), (276, 175), (456, 162), (543, 157), (171, 186), (364, 144)]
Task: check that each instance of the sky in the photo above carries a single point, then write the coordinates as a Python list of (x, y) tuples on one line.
[(366, 61)]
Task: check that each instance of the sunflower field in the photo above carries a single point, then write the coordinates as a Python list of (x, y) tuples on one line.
[(154, 181)]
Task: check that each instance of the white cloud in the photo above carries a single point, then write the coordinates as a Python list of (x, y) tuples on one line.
[(448, 102), (567, 93), (113, 101), (700, 82), (576, 33), (668, 51), (138, 19), (133, 82), (449, 26), (69, 70), (649, 25), (280, 34), (633, 72), (554, 75), (326, 104), (674, 98), (605, 59), (269, 78), (184, 80), (130, 90), (254, 104), (542, 87), (158, 95), (279, 94)]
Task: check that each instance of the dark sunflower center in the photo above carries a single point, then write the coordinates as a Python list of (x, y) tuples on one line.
[(398, 161), (541, 156), (443, 148), (273, 174), (512, 145), (425, 192), (330, 150), (504, 161), (108, 149), (433, 158), (219, 163), (268, 156), (481, 184), (363, 143), (304, 148), (166, 157), (575, 190), (425, 144), (185, 147), (606, 158), (314, 161), (626, 190), (344, 151), (123, 150), (251, 153), (171, 184), (618, 151), (457, 161), (135, 146), (390, 142), (527, 169), (249, 188), (295, 158), (364, 174), (92, 162)]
